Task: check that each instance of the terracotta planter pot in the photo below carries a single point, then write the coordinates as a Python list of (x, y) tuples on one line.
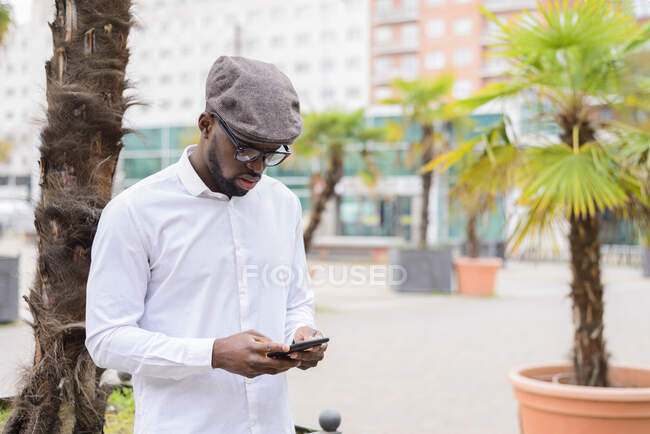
[(476, 276), (547, 407)]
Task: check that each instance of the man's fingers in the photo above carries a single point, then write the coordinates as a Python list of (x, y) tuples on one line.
[(257, 336), (270, 347)]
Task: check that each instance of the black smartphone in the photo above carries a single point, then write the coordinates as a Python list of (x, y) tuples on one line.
[(300, 346)]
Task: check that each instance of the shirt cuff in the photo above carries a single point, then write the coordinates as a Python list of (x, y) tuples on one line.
[(199, 352)]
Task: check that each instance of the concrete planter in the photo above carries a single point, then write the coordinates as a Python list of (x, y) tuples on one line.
[(645, 260), (426, 270), (8, 289), (552, 407)]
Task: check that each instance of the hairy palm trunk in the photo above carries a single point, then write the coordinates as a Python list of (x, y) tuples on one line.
[(80, 146), (472, 238), (332, 177), (427, 155), (590, 356), (589, 352)]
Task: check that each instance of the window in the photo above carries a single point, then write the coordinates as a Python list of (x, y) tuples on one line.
[(187, 50), (277, 41), (410, 66), (327, 65), (353, 34), (186, 103), (462, 89), (302, 67), (9, 92), (165, 104), (276, 13), (410, 5), (251, 44), (384, 6), (383, 34), (352, 92), (463, 57), (463, 26), (410, 34), (382, 92), (165, 78), (434, 60), (382, 64), (9, 115), (302, 39), (328, 36), (435, 28), (327, 93), (352, 62)]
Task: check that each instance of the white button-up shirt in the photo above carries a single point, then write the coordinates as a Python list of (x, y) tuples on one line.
[(174, 266)]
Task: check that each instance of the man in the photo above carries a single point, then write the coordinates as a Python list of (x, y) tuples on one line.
[(198, 271)]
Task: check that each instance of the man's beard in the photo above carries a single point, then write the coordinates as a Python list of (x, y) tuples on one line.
[(225, 185)]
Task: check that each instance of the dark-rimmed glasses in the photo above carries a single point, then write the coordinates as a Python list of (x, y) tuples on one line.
[(246, 154)]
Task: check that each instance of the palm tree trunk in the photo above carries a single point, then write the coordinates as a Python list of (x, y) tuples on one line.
[(472, 238), (80, 147), (332, 177), (427, 155), (589, 353)]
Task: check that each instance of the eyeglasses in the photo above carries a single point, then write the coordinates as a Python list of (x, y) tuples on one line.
[(245, 154)]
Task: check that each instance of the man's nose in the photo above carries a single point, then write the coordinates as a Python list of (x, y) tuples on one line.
[(257, 166)]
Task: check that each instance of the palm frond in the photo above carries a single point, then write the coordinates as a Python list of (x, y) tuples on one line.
[(576, 182)]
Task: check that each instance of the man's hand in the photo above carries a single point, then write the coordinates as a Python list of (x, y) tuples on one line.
[(245, 354), (310, 357)]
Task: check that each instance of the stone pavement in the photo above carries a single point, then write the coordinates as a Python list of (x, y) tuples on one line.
[(405, 363), (438, 364)]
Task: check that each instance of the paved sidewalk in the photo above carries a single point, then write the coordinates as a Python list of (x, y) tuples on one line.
[(404, 363), (439, 364)]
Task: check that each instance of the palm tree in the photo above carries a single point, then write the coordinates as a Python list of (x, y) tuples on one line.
[(572, 59), (5, 19), (424, 102), (328, 135), (485, 166), (80, 147)]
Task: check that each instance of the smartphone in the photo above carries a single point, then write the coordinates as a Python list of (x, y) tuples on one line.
[(300, 346)]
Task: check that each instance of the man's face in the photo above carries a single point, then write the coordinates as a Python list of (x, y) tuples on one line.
[(233, 178)]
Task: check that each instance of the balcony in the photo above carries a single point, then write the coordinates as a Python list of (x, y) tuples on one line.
[(394, 47), (385, 77), (396, 15), (508, 5)]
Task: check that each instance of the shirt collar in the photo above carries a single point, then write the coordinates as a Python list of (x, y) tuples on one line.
[(191, 180)]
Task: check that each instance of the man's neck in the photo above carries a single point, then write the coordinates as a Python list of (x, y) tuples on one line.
[(202, 170)]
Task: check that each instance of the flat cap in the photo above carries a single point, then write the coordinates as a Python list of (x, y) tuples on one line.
[(255, 99)]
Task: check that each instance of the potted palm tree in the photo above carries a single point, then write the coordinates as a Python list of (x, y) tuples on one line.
[(572, 59), (424, 102), (485, 166)]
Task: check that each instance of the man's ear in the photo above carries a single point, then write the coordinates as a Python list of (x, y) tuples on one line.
[(205, 124)]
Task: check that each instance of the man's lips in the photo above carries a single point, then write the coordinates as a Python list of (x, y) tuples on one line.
[(247, 182)]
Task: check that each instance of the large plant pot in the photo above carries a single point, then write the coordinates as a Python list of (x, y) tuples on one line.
[(645, 260), (426, 270), (546, 407), (477, 276)]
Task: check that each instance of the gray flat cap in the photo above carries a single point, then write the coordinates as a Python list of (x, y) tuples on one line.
[(257, 101)]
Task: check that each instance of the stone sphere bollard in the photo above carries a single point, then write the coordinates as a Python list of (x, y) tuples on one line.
[(329, 420)]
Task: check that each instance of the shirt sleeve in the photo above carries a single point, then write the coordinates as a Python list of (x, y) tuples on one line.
[(115, 302), (300, 302)]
